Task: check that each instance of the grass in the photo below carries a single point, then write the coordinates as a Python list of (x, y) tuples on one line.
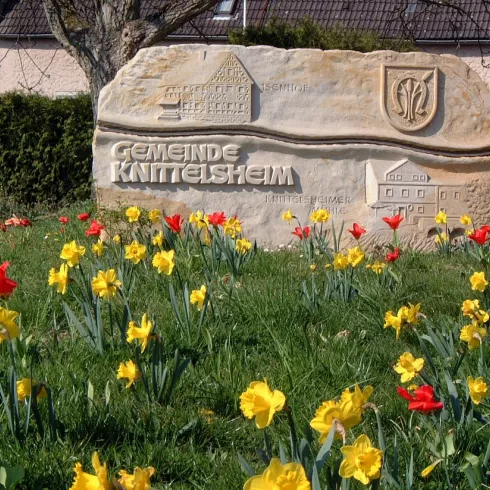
[(263, 330)]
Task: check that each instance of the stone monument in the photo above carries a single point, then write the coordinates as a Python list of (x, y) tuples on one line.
[(256, 131)]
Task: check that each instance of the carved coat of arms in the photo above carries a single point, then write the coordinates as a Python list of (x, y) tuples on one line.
[(409, 96)]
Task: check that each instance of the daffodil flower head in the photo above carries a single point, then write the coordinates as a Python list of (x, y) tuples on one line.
[(288, 216), (198, 296), (164, 262), (128, 370), (408, 367), (473, 335), (355, 256), (478, 282), (261, 402), (477, 388), (9, 330), (105, 284), (135, 252), (133, 214), (60, 278), (243, 246), (441, 218), (141, 334), (72, 252), (155, 216), (86, 481), (291, 476), (139, 480), (361, 461)]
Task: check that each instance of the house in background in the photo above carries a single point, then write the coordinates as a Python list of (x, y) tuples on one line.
[(32, 60)]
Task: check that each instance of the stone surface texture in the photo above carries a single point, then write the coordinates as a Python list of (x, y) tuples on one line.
[(256, 131)]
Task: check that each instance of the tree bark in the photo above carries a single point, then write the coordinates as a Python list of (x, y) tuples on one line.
[(103, 35)]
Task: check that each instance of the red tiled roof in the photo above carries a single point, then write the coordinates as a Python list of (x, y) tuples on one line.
[(467, 20)]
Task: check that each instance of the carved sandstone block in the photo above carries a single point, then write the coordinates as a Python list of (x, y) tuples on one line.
[(255, 131)]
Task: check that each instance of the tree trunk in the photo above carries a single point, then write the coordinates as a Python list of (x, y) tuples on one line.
[(103, 35)]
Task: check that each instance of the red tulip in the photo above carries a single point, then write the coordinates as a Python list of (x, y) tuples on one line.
[(25, 222), (357, 231), (301, 233), (95, 229), (394, 221), (7, 286), (392, 256), (485, 228), (174, 222), (423, 401), (64, 220), (479, 236), (83, 216), (217, 219)]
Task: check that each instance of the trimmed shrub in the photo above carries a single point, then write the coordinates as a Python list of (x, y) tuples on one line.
[(45, 148), (309, 34)]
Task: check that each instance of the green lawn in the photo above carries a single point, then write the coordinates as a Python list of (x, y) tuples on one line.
[(259, 328)]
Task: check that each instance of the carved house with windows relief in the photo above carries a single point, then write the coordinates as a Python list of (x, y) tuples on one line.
[(225, 98), (407, 189)]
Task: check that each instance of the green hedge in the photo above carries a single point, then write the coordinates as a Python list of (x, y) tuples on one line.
[(309, 34), (45, 148)]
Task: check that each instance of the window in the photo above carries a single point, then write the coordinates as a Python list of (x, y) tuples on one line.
[(391, 177), (420, 209), (411, 7), (225, 7), (415, 177), (457, 195), (404, 192), (420, 193), (398, 177), (443, 195), (422, 178), (389, 192)]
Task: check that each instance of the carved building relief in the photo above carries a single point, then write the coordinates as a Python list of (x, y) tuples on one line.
[(225, 98), (409, 96), (407, 189)]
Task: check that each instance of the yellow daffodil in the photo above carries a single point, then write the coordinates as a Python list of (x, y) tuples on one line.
[(199, 219), (86, 481), (361, 461), (135, 252), (198, 297), (465, 220), (8, 328), (60, 278), (261, 402), (291, 476), (141, 334), (128, 370), (470, 307), (243, 246), (427, 471), (288, 216), (72, 252), (355, 256), (320, 216), (340, 261), (98, 248), (412, 313), (157, 239), (408, 367), (139, 480), (24, 389), (394, 321), (313, 267), (478, 282), (105, 284), (441, 218), (377, 267), (473, 335), (155, 216), (232, 227), (478, 389), (355, 400), (441, 238), (330, 412), (117, 239), (164, 262), (133, 214)]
